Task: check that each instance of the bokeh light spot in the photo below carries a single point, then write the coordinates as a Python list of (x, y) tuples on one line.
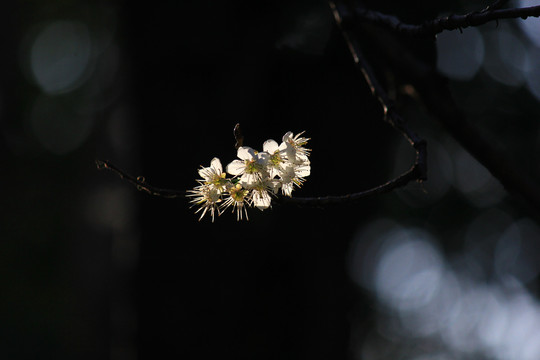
[(464, 317), (493, 321), (475, 181), (533, 72), (60, 55), (460, 55), (518, 250), (365, 248), (506, 56), (408, 271)]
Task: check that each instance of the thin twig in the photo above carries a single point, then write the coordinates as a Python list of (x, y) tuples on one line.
[(440, 104), (496, 5), (139, 182), (451, 22), (418, 171), (438, 100), (413, 174), (390, 113)]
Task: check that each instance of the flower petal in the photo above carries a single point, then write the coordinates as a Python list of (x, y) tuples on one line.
[(287, 137), (270, 146), (204, 173), (236, 167), (290, 152), (303, 170), (274, 185), (245, 153), (287, 189), (263, 157), (261, 199), (216, 165), (248, 181)]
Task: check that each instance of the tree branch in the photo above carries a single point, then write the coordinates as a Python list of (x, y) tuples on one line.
[(413, 174), (418, 171), (440, 103), (496, 5), (140, 182), (436, 96), (451, 22)]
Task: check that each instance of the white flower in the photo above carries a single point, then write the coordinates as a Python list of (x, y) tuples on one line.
[(277, 156), (207, 196), (238, 198), (214, 175), (260, 197), (293, 175), (261, 191), (251, 168), (295, 150), (257, 176)]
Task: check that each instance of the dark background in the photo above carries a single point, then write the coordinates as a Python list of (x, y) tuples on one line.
[(93, 269)]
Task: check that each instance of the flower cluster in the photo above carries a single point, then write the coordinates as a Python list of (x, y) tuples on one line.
[(256, 176)]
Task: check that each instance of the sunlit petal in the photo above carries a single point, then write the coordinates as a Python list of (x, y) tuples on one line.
[(261, 199), (287, 137), (236, 167), (303, 170), (263, 157), (270, 146), (216, 165), (245, 153)]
